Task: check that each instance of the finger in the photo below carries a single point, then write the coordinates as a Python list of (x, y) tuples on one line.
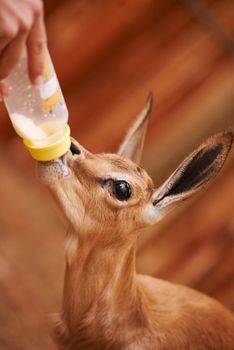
[(8, 30), (23, 15), (36, 46), (10, 55), (4, 91), (4, 42)]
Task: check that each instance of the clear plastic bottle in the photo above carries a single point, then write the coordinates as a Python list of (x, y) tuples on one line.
[(38, 113)]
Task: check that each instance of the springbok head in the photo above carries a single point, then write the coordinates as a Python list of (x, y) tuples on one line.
[(109, 196)]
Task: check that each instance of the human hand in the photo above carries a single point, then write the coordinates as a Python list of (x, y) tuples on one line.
[(22, 23)]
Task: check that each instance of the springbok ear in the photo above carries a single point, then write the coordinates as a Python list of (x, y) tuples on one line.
[(194, 173), (132, 146)]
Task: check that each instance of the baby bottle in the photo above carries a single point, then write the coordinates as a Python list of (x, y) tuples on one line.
[(38, 113)]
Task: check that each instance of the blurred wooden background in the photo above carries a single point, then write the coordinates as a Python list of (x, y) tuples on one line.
[(108, 55)]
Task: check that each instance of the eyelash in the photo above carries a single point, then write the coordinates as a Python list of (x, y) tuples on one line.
[(104, 182), (120, 195)]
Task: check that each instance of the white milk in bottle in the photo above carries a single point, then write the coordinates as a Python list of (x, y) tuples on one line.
[(38, 113)]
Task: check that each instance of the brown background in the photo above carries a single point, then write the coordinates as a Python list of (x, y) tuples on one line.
[(108, 55)]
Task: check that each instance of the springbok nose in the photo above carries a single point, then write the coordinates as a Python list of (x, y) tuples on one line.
[(74, 149)]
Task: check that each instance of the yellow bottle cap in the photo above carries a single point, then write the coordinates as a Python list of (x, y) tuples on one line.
[(52, 151)]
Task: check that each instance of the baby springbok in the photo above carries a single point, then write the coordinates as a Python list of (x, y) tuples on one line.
[(107, 199)]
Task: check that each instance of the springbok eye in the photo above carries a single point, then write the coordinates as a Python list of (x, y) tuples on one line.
[(121, 190)]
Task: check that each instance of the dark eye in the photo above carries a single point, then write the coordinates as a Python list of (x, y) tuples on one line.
[(121, 190)]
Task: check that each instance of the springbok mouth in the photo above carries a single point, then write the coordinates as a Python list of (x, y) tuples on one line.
[(51, 171)]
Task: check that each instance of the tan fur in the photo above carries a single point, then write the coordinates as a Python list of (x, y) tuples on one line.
[(132, 146), (106, 305)]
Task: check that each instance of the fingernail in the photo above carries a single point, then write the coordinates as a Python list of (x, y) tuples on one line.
[(39, 80)]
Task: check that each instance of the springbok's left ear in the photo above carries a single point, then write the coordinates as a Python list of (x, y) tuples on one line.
[(133, 144), (195, 172)]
